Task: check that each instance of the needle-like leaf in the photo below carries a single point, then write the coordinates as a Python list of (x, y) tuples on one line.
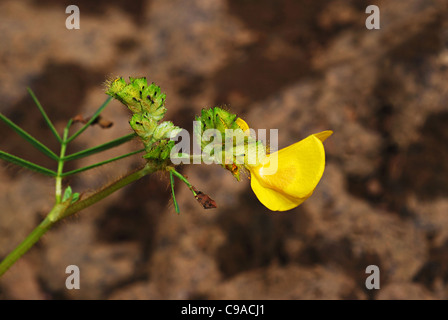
[(25, 135), (26, 164), (102, 147), (176, 206), (44, 114), (69, 173), (88, 123)]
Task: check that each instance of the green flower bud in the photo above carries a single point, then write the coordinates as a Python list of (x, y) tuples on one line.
[(224, 119), (138, 96), (138, 83), (115, 86), (147, 104), (236, 148), (130, 96), (160, 151), (166, 152), (144, 125), (165, 129), (153, 101)]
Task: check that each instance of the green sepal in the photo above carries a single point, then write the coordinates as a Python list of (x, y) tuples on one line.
[(160, 150), (115, 86), (147, 103), (138, 83), (138, 96), (130, 96), (166, 130), (242, 145), (153, 101), (143, 125), (68, 193), (224, 119)]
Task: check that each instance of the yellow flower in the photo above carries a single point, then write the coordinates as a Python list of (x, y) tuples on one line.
[(286, 178)]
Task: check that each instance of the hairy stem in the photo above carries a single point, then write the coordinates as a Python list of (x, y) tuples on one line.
[(184, 180), (33, 237), (61, 163), (64, 209), (111, 188)]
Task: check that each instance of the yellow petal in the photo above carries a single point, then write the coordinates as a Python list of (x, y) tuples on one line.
[(242, 124), (322, 136), (272, 199), (299, 169)]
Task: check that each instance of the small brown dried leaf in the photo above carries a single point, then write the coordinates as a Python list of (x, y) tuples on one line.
[(79, 118), (103, 123), (204, 199)]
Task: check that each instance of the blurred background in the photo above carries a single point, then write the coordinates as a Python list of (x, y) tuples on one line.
[(301, 66)]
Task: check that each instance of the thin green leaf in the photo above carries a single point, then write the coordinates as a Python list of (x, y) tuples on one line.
[(26, 164), (67, 193), (69, 173), (176, 206), (66, 129), (44, 114), (93, 118), (75, 197), (184, 180), (103, 147), (58, 180), (202, 198), (37, 144)]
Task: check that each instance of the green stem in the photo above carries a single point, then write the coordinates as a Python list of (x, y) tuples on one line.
[(29, 241), (61, 163), (33, 237), (101, 194), (63, 210), (195, 158), (181, 177), (176, 206)]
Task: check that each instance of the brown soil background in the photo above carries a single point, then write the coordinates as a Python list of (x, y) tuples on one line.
[(300, 66)]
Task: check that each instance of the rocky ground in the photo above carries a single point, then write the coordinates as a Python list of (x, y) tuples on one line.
[(301, 66)]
